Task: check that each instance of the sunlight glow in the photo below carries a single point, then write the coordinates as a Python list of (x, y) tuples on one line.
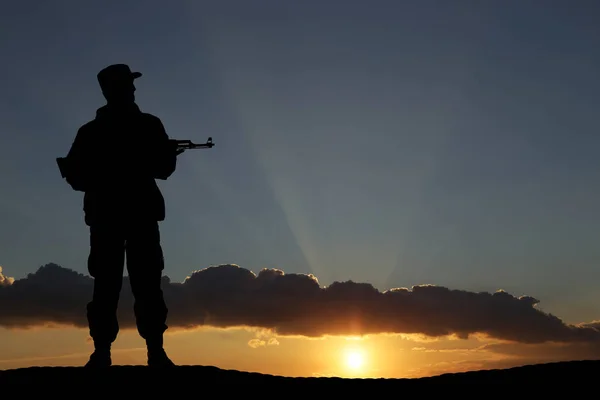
[(354, 359)]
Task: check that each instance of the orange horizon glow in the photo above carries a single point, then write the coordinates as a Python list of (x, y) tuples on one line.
[(374, 356)]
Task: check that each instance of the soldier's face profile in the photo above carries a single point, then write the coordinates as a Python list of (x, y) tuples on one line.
[(122, 92)]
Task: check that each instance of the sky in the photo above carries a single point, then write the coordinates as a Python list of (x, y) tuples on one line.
[(447, 150)]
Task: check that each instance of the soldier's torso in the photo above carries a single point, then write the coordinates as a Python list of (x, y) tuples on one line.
[(119, 149)]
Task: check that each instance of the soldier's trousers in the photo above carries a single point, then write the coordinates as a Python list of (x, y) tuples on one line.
[(110, 245)]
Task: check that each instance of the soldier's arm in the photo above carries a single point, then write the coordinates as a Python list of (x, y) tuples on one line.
[(76, 169), (165, 157)]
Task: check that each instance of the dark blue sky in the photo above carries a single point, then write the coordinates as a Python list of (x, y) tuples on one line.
[(391, 142)]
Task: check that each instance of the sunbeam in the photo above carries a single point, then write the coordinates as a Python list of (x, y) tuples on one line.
[(254, 200)]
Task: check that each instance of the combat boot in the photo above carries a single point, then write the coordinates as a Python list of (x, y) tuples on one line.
[(100, 358), (157, 356)]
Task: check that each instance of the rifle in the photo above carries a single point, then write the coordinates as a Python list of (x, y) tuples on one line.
[(182, 145), (62, 166)]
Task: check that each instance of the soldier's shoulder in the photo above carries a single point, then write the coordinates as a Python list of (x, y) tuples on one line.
[(152, 123), (88, 127), (151, 118)]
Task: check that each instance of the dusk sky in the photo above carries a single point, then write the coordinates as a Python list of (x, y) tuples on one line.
[(389, 143)]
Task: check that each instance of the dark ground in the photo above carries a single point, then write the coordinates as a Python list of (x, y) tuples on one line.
[(572, 375)]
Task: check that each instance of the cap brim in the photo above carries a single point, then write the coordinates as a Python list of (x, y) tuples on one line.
[(136, 75)]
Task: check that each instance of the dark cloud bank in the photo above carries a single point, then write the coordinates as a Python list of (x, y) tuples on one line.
[(295, 304)]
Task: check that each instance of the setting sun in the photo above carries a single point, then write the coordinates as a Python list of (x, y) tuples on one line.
[(355, 359)]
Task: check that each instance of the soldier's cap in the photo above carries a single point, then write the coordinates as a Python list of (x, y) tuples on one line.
[(116, 75)]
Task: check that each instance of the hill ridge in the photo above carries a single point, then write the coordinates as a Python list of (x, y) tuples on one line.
[(566, 372)]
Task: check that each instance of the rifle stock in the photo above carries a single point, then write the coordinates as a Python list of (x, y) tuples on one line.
[(62, 166)]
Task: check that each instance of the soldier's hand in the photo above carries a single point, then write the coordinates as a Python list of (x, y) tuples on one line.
[(172, 144)]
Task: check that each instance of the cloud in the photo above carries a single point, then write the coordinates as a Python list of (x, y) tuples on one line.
[(5, 280), (295, 304), (256, 343)]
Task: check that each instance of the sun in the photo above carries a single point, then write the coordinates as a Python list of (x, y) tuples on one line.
[(354, 359)]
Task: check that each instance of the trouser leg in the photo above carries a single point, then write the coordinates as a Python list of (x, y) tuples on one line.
[(105, 265), (145, 264)]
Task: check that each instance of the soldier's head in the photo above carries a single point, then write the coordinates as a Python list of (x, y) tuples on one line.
[(116, 82)]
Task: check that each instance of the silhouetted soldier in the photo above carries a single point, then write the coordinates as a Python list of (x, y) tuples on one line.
[(115, 160)]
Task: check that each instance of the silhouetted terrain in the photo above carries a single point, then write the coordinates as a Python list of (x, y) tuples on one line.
[(574, 374)]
